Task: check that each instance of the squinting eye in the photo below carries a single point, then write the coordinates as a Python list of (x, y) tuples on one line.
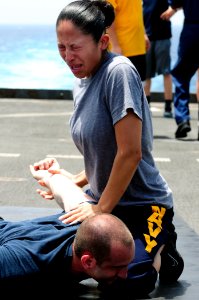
[(75, 48), (60, 47)]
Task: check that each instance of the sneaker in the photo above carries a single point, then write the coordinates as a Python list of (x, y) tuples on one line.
[(182, 129), (168, 114), (172, 263)]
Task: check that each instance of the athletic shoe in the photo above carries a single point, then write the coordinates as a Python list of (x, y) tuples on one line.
[(172, 263), (182, 129), (168, 114)]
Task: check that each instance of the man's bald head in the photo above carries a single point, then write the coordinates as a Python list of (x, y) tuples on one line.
[(97, 233)]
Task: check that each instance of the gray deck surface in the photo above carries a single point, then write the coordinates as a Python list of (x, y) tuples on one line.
[(32, 129)]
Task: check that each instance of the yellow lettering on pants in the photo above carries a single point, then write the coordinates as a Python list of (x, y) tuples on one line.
[(150, 244), (154, 226)]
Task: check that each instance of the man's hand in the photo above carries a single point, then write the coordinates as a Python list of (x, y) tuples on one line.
[(147, 42), (47, 164), (52, 166), (42, 176), (167, 14)]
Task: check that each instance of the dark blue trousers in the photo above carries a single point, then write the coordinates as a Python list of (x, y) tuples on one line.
[(184, 69)]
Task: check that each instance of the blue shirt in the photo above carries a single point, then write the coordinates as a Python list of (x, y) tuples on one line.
[(38, 249), (155, 27), (190, 8)]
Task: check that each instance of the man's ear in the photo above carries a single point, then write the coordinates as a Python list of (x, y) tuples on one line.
[(104, 41), (88, 261)]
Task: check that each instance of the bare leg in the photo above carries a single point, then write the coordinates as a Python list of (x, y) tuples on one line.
[(157, 259), (147, 89), (168, 87), (197, 86), (168, 96)]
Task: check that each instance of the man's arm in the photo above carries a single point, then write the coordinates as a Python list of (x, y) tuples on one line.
[(66, 193), (53, 167), (175, 3), (15, 261)]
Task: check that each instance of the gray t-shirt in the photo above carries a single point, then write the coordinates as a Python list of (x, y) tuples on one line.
[(99, 102)]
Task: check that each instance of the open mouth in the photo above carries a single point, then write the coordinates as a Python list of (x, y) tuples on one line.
[(76, 68)]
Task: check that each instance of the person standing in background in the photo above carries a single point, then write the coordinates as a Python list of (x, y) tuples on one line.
[(197, 86), (187, 63), (127, 34), (158, 58)]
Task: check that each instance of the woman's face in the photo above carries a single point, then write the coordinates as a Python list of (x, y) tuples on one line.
[(81, 53)]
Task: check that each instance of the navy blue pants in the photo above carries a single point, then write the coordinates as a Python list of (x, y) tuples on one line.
[(184, 69)]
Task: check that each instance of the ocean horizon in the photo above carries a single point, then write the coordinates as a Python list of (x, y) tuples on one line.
[(30, 59)]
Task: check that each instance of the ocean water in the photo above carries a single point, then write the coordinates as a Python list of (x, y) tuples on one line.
[(29, 59)]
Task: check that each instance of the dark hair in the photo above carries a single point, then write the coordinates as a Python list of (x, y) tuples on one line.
[(91, 16)]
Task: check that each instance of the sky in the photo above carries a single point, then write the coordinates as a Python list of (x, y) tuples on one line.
[(40, 11), (30, 11)]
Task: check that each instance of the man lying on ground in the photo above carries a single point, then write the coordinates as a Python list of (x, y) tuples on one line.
[(45, 255)]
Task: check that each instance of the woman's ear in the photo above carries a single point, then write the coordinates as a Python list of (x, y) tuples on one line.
[(88, 261), (104, 41)]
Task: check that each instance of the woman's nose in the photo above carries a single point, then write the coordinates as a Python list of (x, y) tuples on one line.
[(68, 55)]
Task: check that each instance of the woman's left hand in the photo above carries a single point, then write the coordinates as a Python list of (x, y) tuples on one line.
[(80, 213)]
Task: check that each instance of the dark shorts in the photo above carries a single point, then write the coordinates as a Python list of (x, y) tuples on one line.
[(139, 62), (158, 58), (150, 227), (148, 224)]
